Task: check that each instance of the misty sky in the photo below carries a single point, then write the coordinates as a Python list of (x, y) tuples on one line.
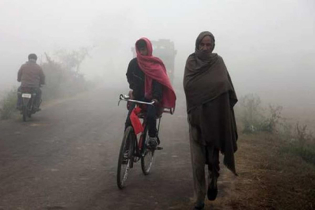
[(268, 45)]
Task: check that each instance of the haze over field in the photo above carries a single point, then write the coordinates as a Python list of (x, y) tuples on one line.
[(68, 155), (268, 46)]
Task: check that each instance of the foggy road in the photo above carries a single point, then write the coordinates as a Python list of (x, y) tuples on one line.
[(65, 157)]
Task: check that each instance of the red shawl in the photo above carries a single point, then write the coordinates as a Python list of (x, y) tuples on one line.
[(135, 121), (154, 69)]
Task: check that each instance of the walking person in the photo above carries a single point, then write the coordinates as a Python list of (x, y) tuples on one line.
[(210, 98)]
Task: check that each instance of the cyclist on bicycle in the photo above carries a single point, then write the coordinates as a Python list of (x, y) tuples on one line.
[(148, 81)]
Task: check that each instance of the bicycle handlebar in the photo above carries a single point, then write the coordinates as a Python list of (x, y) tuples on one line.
[(127, 98)]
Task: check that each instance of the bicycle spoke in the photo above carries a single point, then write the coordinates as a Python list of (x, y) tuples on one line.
[(147, 158), (126, 172), (125, 158)]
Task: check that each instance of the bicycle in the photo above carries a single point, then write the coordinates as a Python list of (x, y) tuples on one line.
[(134, 148)]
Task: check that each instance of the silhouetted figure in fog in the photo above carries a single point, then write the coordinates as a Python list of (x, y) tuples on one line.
[(31, 76), (210, 98)]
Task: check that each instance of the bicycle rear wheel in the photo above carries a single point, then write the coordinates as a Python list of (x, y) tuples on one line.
[(148, 155), (125, 159)]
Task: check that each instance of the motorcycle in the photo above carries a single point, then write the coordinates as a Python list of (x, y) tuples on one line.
[(28, 108)]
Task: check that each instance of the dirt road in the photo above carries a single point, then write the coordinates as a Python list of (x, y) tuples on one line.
[(65, 157)]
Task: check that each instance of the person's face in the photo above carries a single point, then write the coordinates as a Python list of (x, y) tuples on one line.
[(206, 44), (143, 51)]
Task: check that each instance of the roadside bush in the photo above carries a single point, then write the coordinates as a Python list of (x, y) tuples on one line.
[(306, 153), (254, 118), (63, 79), (271, 121), (250, 112), (302, 143), (8, 104)]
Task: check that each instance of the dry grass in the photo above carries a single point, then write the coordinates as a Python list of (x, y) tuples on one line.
[(269, 178), (273, 175)]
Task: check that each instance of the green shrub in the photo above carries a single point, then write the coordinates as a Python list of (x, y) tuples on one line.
[(250, 112), (63, 77), (8, 104), (254, 118), (306, 153), (269, 124), (302, 143)]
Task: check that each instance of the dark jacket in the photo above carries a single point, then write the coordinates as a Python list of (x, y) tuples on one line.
[(31, 75), (136, 78)]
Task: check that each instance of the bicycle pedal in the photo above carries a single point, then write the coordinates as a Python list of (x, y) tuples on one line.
[(159, 148)]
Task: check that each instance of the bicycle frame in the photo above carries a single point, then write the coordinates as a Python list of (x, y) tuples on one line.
[(140, 142), (136, 149)]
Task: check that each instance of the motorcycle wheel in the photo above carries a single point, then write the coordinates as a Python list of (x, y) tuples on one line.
[(24, 113)]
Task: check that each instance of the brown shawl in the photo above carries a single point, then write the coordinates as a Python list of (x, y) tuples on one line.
[(206, 77)]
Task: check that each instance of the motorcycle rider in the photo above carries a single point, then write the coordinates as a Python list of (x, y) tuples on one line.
[(32, 76)]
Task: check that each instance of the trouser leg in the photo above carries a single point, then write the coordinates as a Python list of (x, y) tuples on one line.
[(213, 162), (128, 122), (198, 160), (19, 97), (38, 98), (151, 120)]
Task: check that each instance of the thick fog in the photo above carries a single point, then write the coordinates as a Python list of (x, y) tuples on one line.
[(268, 46)]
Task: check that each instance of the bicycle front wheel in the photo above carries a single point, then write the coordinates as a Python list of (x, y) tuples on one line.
[(125, 157), (147, 155)]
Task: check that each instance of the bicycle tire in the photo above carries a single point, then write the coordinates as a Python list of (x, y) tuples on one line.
[(126, 144), (148, 155)]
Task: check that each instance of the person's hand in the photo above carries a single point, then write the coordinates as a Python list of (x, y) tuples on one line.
[(155, 101)]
